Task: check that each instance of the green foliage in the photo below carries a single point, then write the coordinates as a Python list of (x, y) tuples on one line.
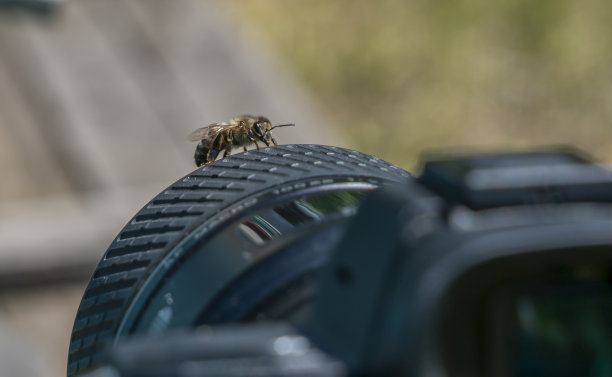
[(400, 77)]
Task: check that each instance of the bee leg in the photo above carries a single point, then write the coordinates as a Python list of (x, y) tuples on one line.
[(254, 141), (228, 145), (244, 148), (212, 155), (215, 148), (251, 137), (273, 141)]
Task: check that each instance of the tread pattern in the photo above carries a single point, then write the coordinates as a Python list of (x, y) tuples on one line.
[(175, 212)]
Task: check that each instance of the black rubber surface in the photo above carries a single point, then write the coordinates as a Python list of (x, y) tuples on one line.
[(178, 210)]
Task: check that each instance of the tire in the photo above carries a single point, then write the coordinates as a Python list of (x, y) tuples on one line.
[(154, 241)]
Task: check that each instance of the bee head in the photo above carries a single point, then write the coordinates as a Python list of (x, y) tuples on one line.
[(267, 136), (262, 129)]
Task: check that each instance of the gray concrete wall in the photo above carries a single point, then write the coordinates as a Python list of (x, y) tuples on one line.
[(96, 103)]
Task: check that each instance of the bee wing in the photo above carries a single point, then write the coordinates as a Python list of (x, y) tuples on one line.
[(206, 132)]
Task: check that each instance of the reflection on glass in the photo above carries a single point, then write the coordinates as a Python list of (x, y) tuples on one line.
[(563, 336), (258, 230), (315, 207), (271, 223)]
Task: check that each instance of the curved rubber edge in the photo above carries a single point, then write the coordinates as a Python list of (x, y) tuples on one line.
[(180, 208)]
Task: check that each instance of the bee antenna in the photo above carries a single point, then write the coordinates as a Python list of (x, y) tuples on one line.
[(283, 125)]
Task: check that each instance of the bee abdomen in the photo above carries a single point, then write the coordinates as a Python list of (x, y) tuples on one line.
[(201, 154)]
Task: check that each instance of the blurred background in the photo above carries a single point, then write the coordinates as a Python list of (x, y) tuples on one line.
[(97, 98)]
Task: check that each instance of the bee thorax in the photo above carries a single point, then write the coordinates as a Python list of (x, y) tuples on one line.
[(241, 139)]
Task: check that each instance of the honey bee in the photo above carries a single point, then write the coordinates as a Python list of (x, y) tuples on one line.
[(240, 131)]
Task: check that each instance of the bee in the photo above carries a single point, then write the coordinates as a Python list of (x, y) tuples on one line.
[(240, 131)]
